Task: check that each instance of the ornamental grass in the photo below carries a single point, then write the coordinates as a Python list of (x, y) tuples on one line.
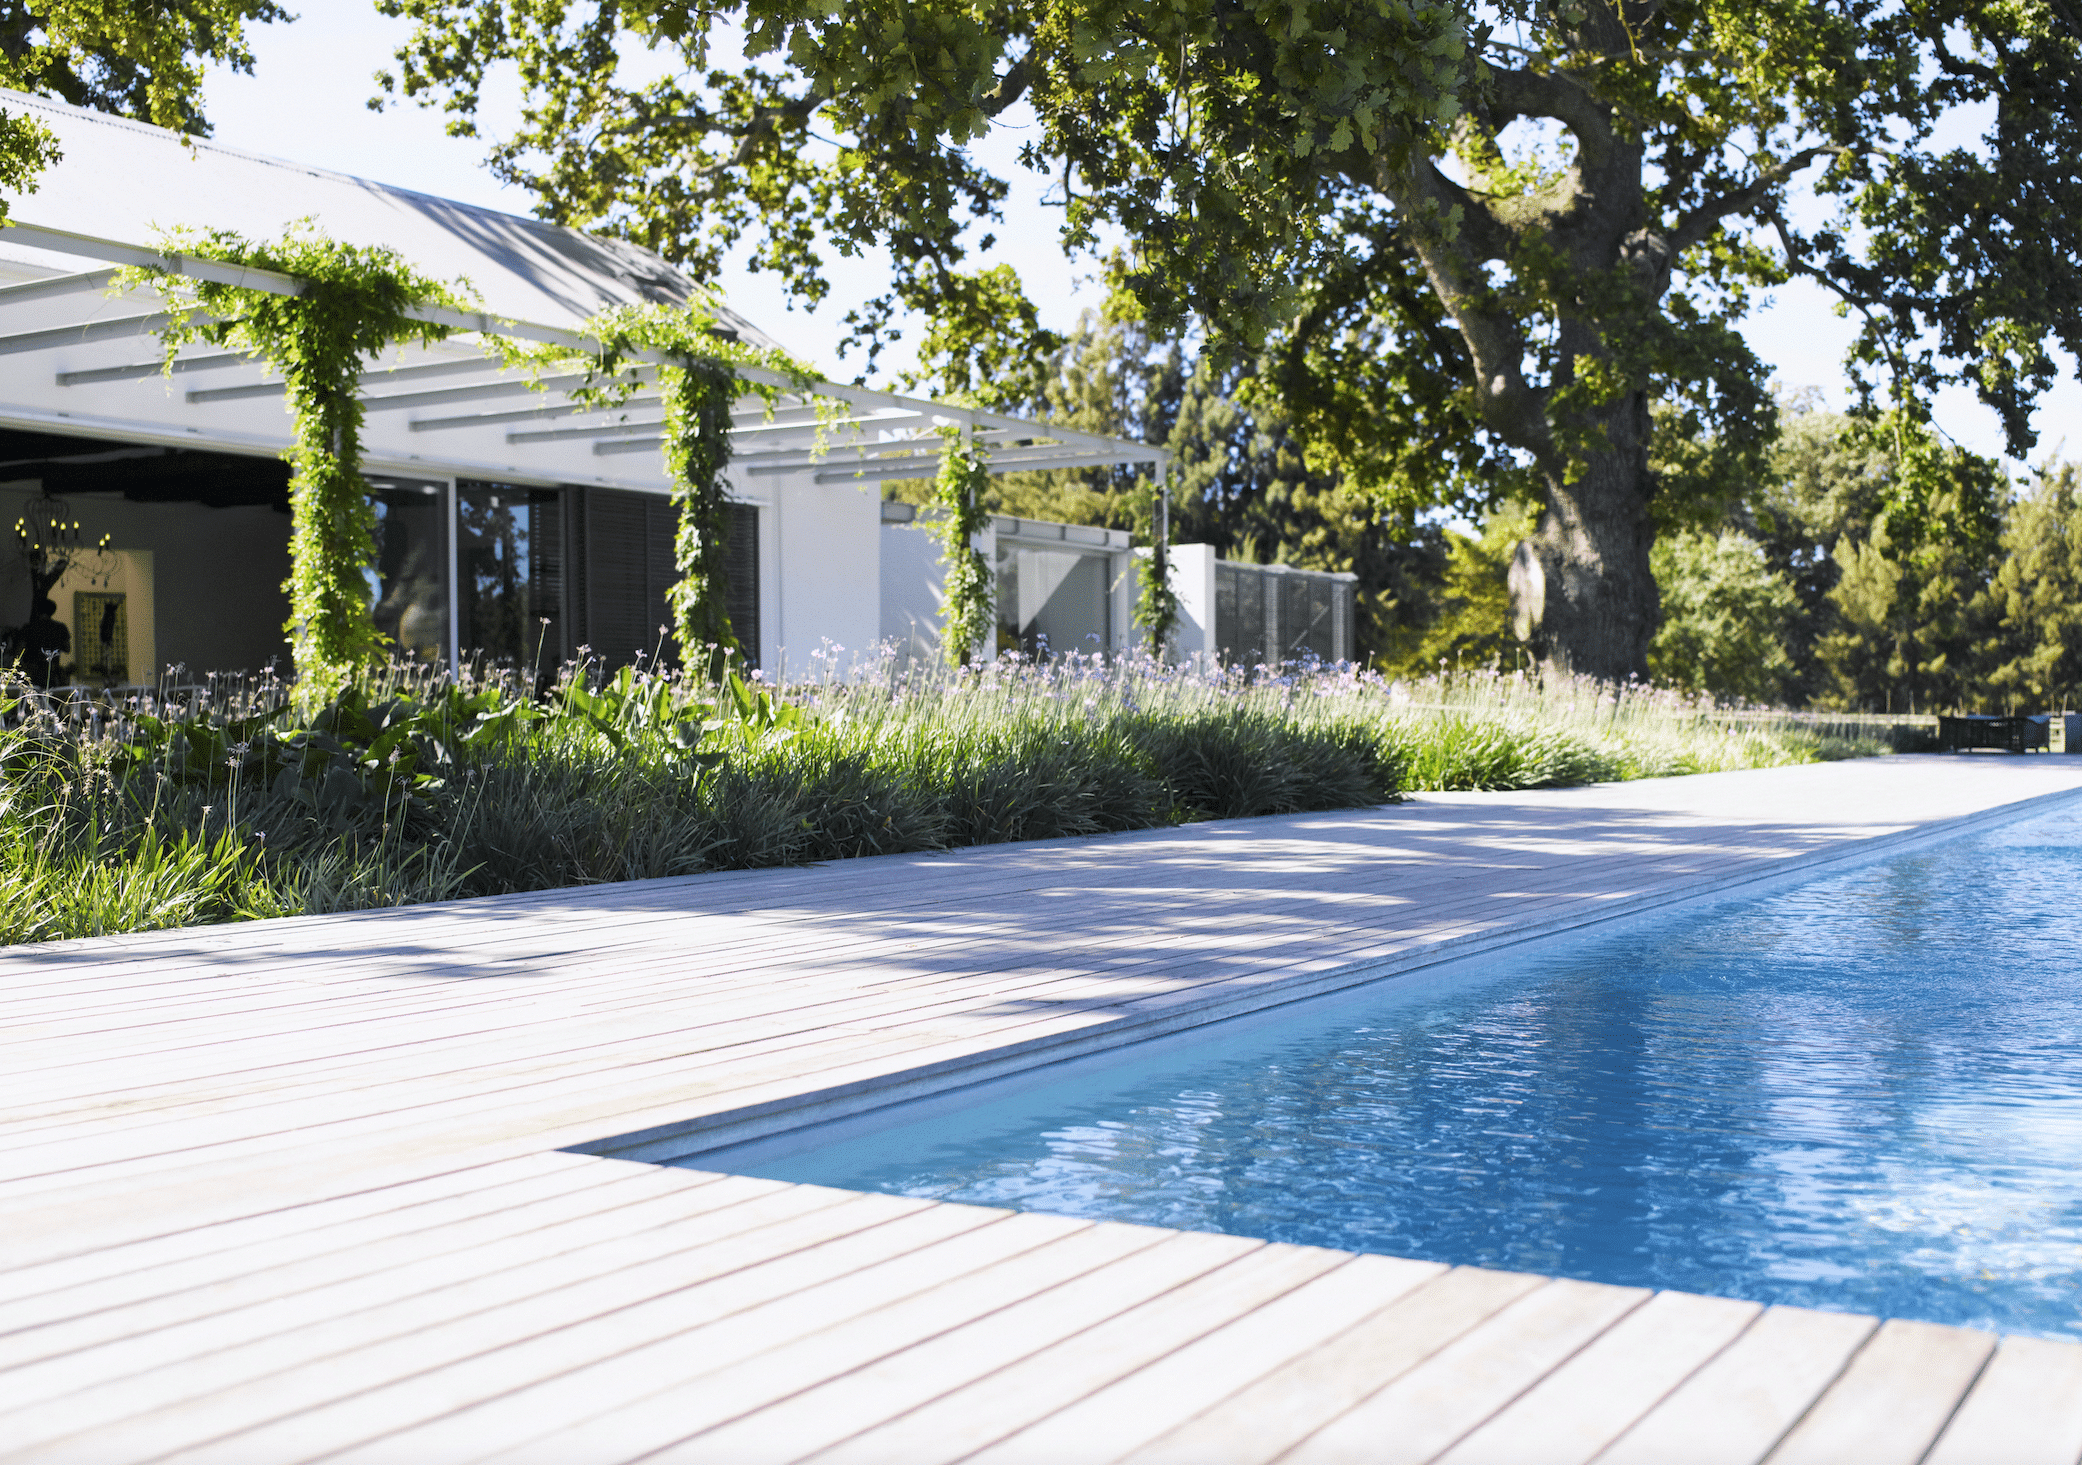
[(229, 800)]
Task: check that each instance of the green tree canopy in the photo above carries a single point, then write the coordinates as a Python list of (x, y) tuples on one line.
[(1474, 247)]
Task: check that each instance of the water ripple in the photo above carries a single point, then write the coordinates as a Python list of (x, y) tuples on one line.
[(1862, 1094)]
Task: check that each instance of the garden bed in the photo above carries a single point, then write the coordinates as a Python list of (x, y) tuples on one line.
[(228, 801)]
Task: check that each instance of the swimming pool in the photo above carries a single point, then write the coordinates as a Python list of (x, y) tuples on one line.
[(1862, 1094)]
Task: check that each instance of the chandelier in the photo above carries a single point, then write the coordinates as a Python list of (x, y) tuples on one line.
[(51, 541)]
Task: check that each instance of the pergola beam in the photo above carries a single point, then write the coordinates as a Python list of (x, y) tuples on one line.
[(139, 369), (491, 391), (870, 410), (925, 467), (367, 378), (56, 288), (526, 414), (89, 331), (579, 434)]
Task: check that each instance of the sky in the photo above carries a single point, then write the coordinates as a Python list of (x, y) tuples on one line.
[(306, 102)]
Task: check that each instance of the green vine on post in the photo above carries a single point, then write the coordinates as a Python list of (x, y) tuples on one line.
[(701, 384), (959, 490), (1156, 603), (354, 303)]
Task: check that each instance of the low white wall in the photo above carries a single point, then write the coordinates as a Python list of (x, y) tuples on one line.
[(1193, 582)]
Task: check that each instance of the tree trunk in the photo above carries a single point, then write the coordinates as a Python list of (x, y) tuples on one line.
[(1581, 589)]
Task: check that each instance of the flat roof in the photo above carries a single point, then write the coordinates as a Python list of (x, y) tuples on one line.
[(127, 180)]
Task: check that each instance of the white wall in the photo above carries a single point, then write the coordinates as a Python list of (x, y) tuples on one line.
[(914, 594), (1193, 582), (830, 568)]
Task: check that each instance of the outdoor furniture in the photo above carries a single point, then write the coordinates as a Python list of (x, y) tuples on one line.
[(2006, 734)]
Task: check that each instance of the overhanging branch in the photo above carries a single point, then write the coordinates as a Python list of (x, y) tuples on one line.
[(1697, 224)]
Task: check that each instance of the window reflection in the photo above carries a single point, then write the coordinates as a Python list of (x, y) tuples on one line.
[(1052, 601), (409, 582), (509, 557)]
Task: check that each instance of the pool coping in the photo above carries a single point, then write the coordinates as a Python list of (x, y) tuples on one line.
[(686, 1141)]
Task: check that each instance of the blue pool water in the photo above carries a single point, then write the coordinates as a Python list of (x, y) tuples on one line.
[(1862, 1094)]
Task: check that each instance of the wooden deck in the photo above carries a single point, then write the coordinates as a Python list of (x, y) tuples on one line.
[(369, 1188)]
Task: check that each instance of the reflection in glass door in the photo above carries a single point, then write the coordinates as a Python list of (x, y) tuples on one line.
[(510, 573), (408, 584)]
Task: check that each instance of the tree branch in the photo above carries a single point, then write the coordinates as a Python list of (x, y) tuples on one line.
[(1011, 86), (1697, 224), (1514, 94), (763, 126), (1441, 223)]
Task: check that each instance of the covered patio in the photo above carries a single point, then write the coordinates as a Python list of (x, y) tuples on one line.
[(518, 522)]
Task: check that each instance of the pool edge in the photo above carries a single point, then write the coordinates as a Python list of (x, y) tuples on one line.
[(686, 1140)]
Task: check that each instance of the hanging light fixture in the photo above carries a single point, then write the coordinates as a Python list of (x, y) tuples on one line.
[(51, 541)]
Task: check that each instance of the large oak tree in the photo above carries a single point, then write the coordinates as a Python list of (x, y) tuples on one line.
[(1470, 249)]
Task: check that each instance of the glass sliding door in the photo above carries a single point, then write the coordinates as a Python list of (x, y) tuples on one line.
[(409, 582), (1053, 601), (510, 576)]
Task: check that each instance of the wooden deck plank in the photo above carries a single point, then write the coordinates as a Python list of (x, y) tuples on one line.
[(1893, 1399), (2025, 1409), (1150, 1402), (1266, 1420), (1740, 1405), (248, 1385), (1593, 1398), (245, 1342), (19, 1285), (1447, 1396), (364, 1262), (715, 1378), (1102, 1393), (951, 1342), (563, 1400), (958, 1411)]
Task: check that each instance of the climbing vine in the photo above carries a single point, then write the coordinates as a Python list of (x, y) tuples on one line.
[(701, 385), (959, 491), (1156, 603), (355, 303)]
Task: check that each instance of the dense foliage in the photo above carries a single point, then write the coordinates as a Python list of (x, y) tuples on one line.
[(227, 802), (959, 492)]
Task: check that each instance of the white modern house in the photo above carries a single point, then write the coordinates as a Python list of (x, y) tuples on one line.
[(516, 522)]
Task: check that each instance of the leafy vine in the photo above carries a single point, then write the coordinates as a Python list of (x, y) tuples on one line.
[(959, 489), (354, 303), (701, 384), (1156, 602)]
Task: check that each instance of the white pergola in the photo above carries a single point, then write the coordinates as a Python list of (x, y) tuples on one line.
[(84, 360)]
